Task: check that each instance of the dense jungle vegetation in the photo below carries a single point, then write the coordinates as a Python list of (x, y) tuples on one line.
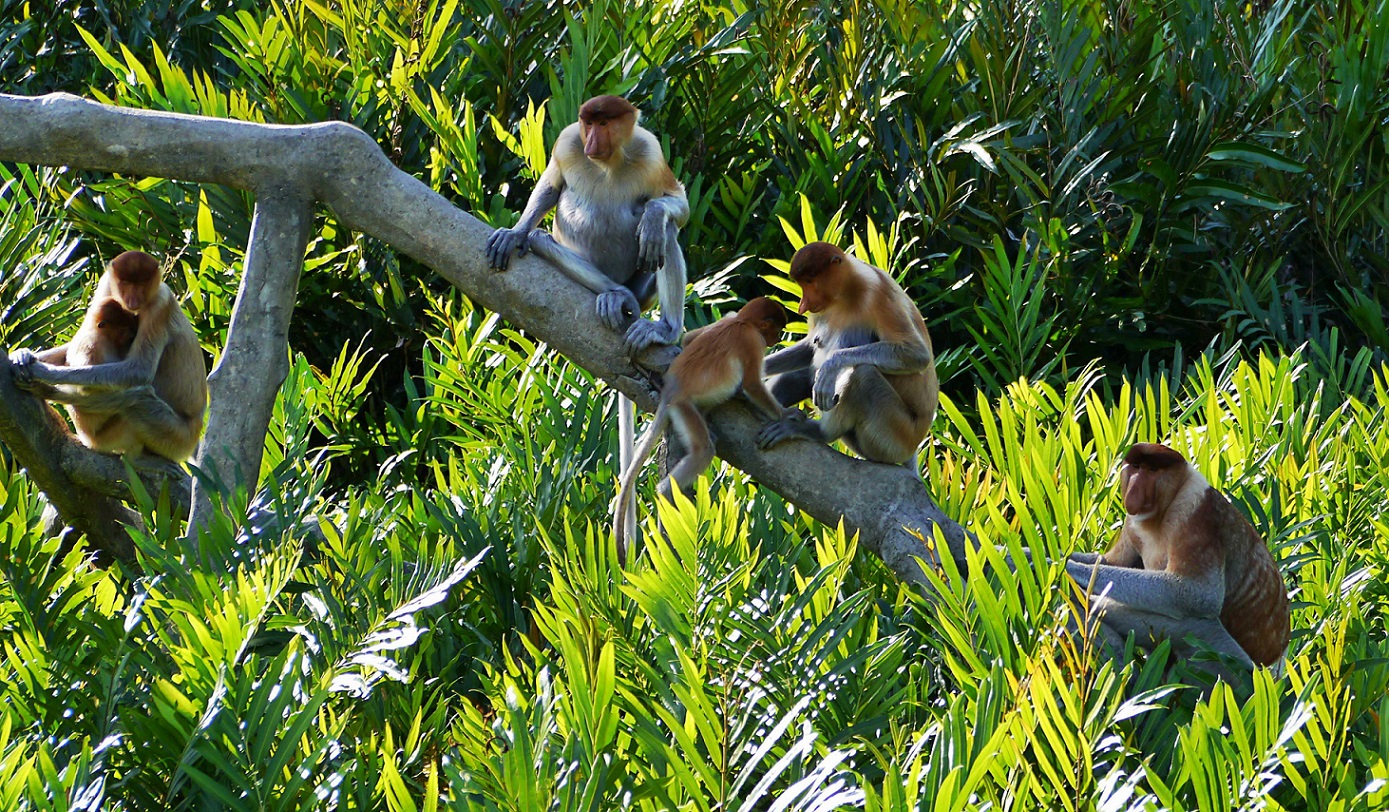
[(1124, 220)]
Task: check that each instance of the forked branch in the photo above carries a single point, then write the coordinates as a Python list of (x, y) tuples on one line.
[(343, 168)]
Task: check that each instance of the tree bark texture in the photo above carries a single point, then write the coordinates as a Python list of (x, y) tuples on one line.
[(255, 361), (343, 168)]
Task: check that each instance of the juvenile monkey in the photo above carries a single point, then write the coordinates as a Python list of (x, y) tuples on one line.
[(867, 361), (1186, 562), (717, 362), (156, 394), (106, 335)]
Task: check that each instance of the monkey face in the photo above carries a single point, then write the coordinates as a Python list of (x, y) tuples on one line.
[(136, 279), (605, 125), (819, 268), (1151, 476)]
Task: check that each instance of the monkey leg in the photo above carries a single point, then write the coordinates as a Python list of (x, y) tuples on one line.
[(670, 285), (694, 434), (149, 422), (616, 304), (873, 419), (1188, 635), (790, 388)]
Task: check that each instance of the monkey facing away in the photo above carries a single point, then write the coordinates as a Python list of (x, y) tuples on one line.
[(618, 215), (106, 335), (718, 361), (156, 394), (1186, 563), (867, 361)]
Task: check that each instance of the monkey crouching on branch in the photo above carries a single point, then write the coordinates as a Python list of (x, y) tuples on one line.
[(149, 399), (718, 361), (867, 361), (1186, 564), (618, 215)]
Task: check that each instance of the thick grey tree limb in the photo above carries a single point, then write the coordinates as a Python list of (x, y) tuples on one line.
[(343, 168), (255, 361)]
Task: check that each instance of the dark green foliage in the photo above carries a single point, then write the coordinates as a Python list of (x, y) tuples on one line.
[(1123, 219)]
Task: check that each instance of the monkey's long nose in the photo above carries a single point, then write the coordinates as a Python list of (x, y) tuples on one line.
[(802, 308)]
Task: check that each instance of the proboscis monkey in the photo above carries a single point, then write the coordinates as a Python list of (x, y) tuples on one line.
[(106, 335), (1186, 563), (618, 215), (157, 392), (718, 361), (866, 362)]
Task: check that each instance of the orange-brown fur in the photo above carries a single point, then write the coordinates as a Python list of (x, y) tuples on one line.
[(717, 362), (860, 322), (1177, 523), (156, 393), (107, 332)]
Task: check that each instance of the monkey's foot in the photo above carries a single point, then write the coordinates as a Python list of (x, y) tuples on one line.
[(792, 427), (643, 334)]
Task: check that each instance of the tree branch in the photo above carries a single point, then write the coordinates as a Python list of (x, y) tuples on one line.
[(343, 168), (85, 487), (255, 361)]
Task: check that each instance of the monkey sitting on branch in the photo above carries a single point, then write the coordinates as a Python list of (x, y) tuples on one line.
[(718, 361), (1186, 564), (867, 361), (618, 215), (147, 398)]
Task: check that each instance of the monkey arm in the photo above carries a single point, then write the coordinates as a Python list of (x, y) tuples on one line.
[(660, 217), (504, 240), (891, 358), (137, 370), (1121, 554), (57, 356), (1158, 591), (788, 359)]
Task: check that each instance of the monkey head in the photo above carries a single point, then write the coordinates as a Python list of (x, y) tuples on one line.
[(768, 316), (605, 126), (822, 270), (117, 324), (135, 279), (1150, 479)]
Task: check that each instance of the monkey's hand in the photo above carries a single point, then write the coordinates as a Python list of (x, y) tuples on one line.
[(643, 334), (651, 239), (615, 306), (792, 425), (502, 242), (825, 393), (22, 365)]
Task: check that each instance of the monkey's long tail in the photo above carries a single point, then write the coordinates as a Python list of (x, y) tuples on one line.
[(625, 491)]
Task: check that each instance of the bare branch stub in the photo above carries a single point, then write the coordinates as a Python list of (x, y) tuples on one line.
[(346, 170)]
